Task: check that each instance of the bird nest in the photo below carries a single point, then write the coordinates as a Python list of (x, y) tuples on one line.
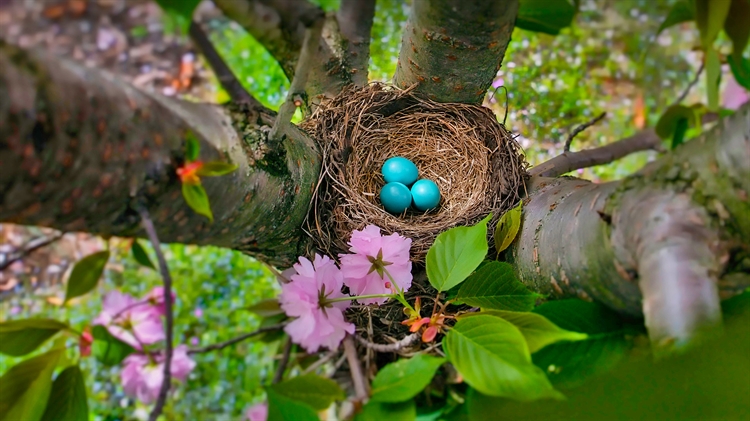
[(473, 159)]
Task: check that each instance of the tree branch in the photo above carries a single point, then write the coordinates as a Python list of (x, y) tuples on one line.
[(452, 49), (29, 248), (355, 19), (279, 375), (223, 73), (360, 385), (76, 144), (581, 128), (393, 347), (230, 342), (166, 382)]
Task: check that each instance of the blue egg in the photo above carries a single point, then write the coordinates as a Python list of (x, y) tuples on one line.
[(395, 197), (426, 194), (400, 170)]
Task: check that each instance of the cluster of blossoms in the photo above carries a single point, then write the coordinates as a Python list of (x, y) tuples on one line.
[(138, 323), (378, 267)]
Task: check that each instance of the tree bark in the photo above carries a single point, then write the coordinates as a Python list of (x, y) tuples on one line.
[(665, 243), (80, 148), (355, 19), (452, 49)]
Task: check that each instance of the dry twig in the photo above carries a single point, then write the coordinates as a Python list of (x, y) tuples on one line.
[(581, 128)]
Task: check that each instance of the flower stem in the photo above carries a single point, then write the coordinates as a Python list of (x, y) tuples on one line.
[(400, 293)]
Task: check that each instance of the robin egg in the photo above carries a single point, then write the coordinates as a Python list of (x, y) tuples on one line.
[(425, 194), (395, 197), (400, 170)]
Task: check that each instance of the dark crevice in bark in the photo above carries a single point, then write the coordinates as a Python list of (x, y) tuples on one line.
[(355, 19), (103, 145), (452, 49)]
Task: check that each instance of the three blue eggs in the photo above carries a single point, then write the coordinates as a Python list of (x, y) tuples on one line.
[(396, 196)]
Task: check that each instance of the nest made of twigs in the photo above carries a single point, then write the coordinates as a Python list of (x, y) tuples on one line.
[(473, 159)]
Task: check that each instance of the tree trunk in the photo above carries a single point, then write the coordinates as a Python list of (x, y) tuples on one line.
[(452, 49), (80, 149)]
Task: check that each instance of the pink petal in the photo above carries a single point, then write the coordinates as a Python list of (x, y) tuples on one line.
[(257, 412)]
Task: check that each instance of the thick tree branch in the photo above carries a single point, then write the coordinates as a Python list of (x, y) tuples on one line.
[(76, 145), (280, 26), (223, 73), (664, 243), (355, 19), (452, 49)]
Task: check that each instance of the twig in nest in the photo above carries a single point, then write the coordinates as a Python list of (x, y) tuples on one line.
[(29, 248), (307, 58), (360, 385), (394, 347), (581, 128), (222, 345), (284, 361), (148, 225)]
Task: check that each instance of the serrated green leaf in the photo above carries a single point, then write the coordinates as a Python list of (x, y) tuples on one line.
[(740, 67), (140, 255), (455, 254), (215, 169), (180, 10), (192, 146), (282, 408), (380, 411), (67, 400), (495, 286), (107, 349), (20, 337), (737, 25), (492, 356), (713, 77), (710, 16), (669, 121), (312, 390), (402, 380), (682, 11), (25, 387), (547, 16), (535, 328), (86, 274), (507, 228), (571, 363), (196, 197)]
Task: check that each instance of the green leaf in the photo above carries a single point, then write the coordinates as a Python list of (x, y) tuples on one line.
[(713, 77), (507, 228), (107, 349), (86, 274), (26, 387), (402, 380), (196, 197), (181, 10), (140, 255), (20, 337), (710, 16), (495, 286), (192, 145), (547, 16), (266, 308), (535, 328), (741, 70), (455, 254), (282, 408), (669, 121), (492, 356), (737, 26), (379, 411), (571, 363), (317, 392), (682, 11), (67, 400), (679, 132), (216, 168)]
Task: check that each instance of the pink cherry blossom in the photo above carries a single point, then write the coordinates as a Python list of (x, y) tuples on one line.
[(257, 412), (156, 299), (373, 255), (142, 376), (317, 324), (134, 322)]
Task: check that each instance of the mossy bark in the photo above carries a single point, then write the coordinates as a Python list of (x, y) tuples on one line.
[(667, 242), (452, 49), (80, 149)]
